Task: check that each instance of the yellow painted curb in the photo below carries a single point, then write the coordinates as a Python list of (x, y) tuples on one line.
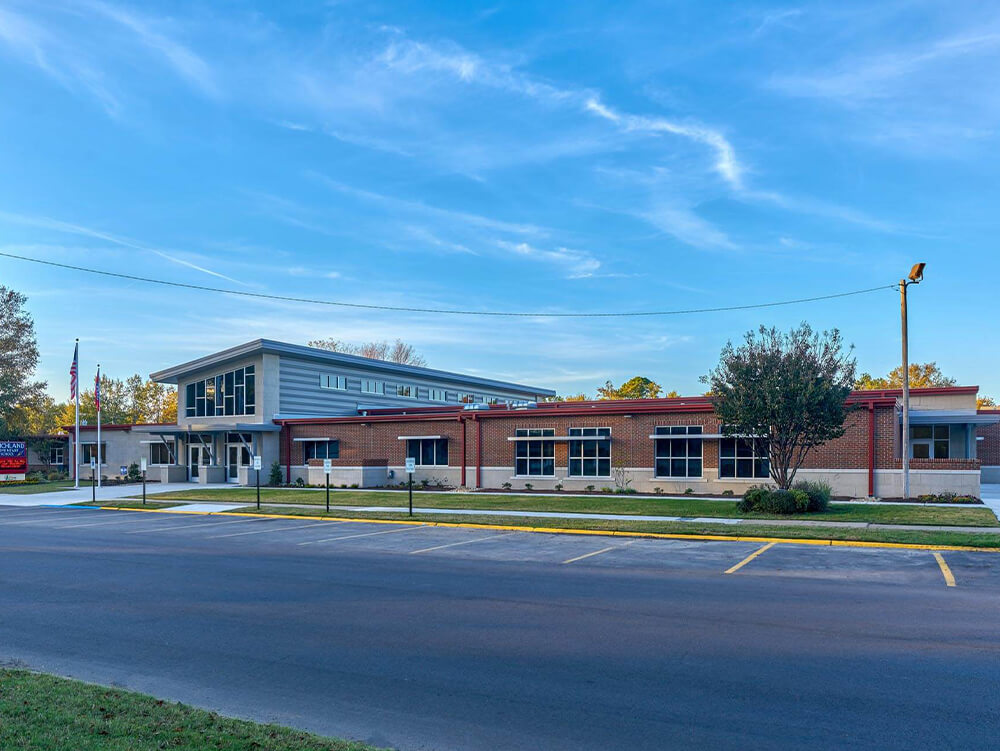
[(565, 531)]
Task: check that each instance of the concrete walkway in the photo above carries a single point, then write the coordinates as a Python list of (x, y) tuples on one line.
[(621, 517), (991, 497), (83, 494)]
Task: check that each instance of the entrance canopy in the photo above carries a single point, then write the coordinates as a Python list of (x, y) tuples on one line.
[(180, 431)]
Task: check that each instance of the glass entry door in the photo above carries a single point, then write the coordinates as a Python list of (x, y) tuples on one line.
[(237, 456), (194, 462)]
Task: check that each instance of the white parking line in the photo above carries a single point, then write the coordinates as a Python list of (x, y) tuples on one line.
[(276, 529), (118, 520), (363, 534), (62, 515), (463, 542), (189, 526)]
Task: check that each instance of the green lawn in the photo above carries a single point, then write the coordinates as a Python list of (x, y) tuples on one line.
[(41, 487), (917, 537), (46, 713), (970, 516)]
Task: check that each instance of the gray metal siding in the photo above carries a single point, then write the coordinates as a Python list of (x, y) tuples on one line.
[(301, 394)]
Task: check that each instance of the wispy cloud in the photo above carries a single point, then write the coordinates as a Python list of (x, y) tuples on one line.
[(58, 225), (576, 264)]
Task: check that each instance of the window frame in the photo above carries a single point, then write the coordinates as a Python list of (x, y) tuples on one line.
[(576, 453), (87, 451), (545, 455), (231, 393), (416, 448), (932, 442), (677, 434), (756, 458), (316, 455), (332, 382), (160, 446), (409, 389), (379, 386), (61, 454)]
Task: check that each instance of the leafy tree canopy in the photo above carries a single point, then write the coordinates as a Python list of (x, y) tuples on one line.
[(788, 388), (127, 402), (922, 375), (19, 392), (637, 387), (397, 352)]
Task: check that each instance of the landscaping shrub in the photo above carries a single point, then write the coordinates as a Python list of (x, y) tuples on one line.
[(558, 486), (528, 486), (299, 482), (606, 489), (818, 492), (590, 488), (506, 486), (765, 500), (55, 476), (134, 473), (688, 491), (275, 477), (947, 497), (727, 492)]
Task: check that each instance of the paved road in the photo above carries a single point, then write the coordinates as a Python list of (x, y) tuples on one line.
[(432, 638)]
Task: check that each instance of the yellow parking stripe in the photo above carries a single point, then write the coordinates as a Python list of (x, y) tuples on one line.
[(949, 578), (749, 558), (463, 542)]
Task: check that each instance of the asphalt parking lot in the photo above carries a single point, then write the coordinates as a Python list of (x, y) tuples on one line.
[(421, 637)]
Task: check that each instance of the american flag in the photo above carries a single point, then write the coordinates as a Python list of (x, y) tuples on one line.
[(97, 389), (73, 371)]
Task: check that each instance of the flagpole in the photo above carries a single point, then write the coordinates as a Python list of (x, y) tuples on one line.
[(98, 391), (76, 434)]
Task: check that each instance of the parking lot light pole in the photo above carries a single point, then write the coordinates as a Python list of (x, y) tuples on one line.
[(915, 277)]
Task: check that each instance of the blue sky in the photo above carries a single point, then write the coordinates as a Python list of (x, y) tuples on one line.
[(508, 156)]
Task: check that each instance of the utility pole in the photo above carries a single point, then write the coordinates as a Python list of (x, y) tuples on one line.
[(916, 276)]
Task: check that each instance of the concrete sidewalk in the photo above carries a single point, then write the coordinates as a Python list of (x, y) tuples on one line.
[(83, 494), (620, 517)]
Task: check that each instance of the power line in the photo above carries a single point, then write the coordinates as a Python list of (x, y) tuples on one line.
[(442, 311)]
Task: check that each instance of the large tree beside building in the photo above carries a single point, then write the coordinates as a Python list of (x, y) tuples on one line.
[(19, 392), (126, 402), (786, 388), (398, 351)]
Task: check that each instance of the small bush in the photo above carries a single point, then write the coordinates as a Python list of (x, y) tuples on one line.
[(625, 491), (688, 491), (590, 488), (274, 478), (782, 502), (424, 483), (819, 494), (558, 486), (54, 476), (606, 490), (355, 485), (658, 490), (299, 482), (506, 486), (528, 486), (751, 498)]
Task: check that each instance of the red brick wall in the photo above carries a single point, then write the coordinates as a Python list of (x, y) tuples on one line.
[(374, 443), (988, 449)]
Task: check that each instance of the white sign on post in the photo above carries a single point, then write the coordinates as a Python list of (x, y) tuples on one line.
[(93, 463), (411, 465), (327, 466), (256, 463), (142, 465)]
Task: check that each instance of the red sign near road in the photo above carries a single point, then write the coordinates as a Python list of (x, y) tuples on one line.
[(13, 459)]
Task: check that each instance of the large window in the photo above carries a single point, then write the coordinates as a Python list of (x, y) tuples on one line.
[(437, 395), (56, 455), (320, 450), (467, 398), (88, 451), (230, 393), (331, 381), (743, 457), (930, 441), (428, 451), (407, 390), (678, 453), (160, 453), (592, 457), (535, 458)]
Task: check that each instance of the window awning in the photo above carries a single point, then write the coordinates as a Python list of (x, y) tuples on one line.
[(212, 427), (559, 438), (667, 436), (314, 440), (419, 437)]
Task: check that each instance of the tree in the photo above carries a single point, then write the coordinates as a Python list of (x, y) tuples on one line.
[(127, 402), (637, 387), (985, 402), (672, 394), (398, 352), (788, 388), (922, 375), (18, 360), (571, 398)]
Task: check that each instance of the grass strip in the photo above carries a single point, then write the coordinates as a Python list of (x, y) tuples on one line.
[(38, 487), (46, 713), (903, 536), (963, 516)]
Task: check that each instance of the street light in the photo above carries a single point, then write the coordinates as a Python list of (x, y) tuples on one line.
[(916, 276)]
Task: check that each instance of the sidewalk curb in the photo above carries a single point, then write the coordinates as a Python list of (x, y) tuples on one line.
[(591, 532)]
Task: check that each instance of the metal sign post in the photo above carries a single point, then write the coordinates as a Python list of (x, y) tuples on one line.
[(142, 466), (93, 481), (256, 467), (327, 469), (411, 466)]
